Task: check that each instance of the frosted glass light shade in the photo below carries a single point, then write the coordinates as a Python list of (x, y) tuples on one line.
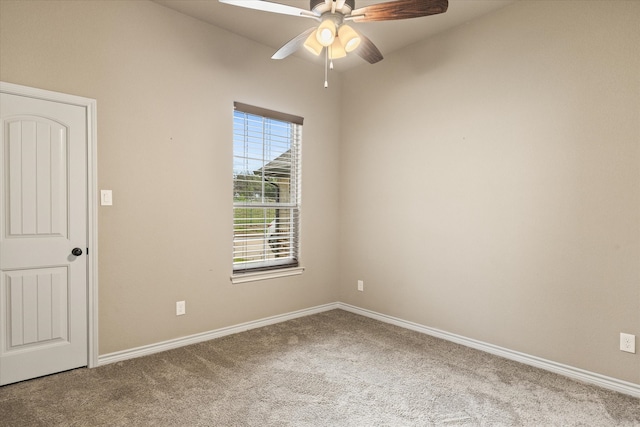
[(337, 50), (312, 44), (326, 32), (349, 38)]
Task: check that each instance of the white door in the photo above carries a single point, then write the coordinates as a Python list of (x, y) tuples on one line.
[(43, 218)]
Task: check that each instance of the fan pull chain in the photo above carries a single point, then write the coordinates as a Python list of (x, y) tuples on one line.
[(331, 58), (326, 69)]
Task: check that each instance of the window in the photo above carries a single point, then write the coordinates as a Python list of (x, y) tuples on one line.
[(266, 189)]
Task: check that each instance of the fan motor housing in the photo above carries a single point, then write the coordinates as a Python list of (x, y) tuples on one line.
[(313, 4)]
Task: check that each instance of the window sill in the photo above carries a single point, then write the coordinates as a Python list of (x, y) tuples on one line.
[(265, 275)]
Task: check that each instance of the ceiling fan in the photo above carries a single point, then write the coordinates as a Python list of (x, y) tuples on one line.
[(332, 34)]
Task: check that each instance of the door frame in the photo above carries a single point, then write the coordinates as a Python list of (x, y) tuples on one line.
[(92, 200)]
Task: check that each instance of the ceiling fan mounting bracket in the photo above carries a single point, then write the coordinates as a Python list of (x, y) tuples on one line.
[(321, 6), (337, 18)]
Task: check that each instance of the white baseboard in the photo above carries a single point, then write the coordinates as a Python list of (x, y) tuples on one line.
[(548, 365), (146, 350)]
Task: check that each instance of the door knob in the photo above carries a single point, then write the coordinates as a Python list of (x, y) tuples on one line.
[(76, 252)]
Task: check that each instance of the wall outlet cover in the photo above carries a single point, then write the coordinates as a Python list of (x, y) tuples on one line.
[(628, 343), (181, 308)]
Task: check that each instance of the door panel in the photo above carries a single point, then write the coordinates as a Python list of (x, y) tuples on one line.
[(37, 180), (38, 307), (43, 216)]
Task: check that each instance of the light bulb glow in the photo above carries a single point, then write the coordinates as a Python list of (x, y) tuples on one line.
[(325, 35), (326, 32), (349, 38), (351, 45)]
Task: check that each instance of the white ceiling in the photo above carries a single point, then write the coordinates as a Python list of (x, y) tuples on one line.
[(274, 30)]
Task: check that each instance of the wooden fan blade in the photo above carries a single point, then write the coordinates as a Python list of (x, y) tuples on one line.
[(368, 51), (268, 6), (399, 9), (292, 45)]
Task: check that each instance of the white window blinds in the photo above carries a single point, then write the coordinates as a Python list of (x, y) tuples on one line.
[(266, 189)]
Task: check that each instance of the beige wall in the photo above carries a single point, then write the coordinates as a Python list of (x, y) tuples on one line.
[(486, 182), (165, 86), (491, 182)]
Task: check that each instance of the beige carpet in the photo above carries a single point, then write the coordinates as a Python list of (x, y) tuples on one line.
[(330, 369)]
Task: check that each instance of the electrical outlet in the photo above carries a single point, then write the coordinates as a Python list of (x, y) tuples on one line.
[(628, 343), (361, 285), (181, 308)]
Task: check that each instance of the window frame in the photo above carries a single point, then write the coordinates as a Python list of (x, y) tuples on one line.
[(267, 264)]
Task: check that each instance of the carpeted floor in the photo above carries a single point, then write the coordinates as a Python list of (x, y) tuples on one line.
[(329, 369)]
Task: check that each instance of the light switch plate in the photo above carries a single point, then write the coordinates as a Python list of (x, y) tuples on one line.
[(106, 198)]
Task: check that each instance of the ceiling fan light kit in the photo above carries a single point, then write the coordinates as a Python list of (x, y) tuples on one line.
[(313, 45), (349, 38), (326, 32), (332, 34), (336, 50)]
